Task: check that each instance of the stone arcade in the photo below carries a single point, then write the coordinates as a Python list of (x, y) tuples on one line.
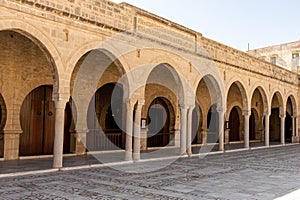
[(92, 75)]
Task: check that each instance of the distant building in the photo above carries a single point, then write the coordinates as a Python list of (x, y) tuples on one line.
[(284, 55)]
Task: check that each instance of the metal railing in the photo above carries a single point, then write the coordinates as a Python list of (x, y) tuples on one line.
[(97, 140)]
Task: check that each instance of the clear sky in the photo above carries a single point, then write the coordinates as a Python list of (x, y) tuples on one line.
[(233, 22)]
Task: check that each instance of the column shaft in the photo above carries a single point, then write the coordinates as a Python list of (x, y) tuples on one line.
[(267, 130), (183, 121), (189, 131), (296, 127), (129, 120), (221, 130), (293, 127), (137, 132), (59, 134), (246, 130), (282, 131)]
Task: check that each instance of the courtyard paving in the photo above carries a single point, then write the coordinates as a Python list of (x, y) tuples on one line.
[(256, 174)]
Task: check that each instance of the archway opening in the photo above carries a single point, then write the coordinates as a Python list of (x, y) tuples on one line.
[(105, 119), (253, 126), (158, 123), (234, 124), (26, 64), (259, 106), (289, 120), (208, 96), (164, 83), (275, 122), (100, 77)]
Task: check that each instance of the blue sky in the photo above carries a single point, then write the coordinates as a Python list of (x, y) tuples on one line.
[(233, 22)]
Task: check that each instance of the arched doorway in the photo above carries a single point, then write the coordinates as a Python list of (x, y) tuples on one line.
[(212, 125), (288, 128), (158, 123), (105, 119), (37, 118), (252, 124), (290, 111), (234, 125), (275, 125), (275, 121)]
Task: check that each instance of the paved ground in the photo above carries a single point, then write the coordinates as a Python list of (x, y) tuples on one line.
[(256, 174), (74, 161)]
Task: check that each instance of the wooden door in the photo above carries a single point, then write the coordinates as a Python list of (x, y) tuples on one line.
[(37, 122), (234, 125), (49, 122), (159, 124)]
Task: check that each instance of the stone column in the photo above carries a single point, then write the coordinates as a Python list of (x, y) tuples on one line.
[(282, 127), (137, 131), (80, 136), (11, 144), (183, 120), (204, 136), (293, 126), (129, 124), (59, 133), (221, 113), (267, 129), (189, 130), (227, 136), (297, 128), (247, 114), (295, 138)]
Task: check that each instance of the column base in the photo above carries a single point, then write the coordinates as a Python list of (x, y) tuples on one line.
[(189, 153), (295, 139), (11, 144), (136, 157), (128, 156), (80, 148)]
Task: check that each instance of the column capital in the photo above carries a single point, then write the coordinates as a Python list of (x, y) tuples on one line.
[(247, 112), (191, 107), (60, 104), (186, 106), (294, 116), (267, 114), (140, 104), (183, 106), (61, 97), (282, 116), (129, 104), (221, 110)]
